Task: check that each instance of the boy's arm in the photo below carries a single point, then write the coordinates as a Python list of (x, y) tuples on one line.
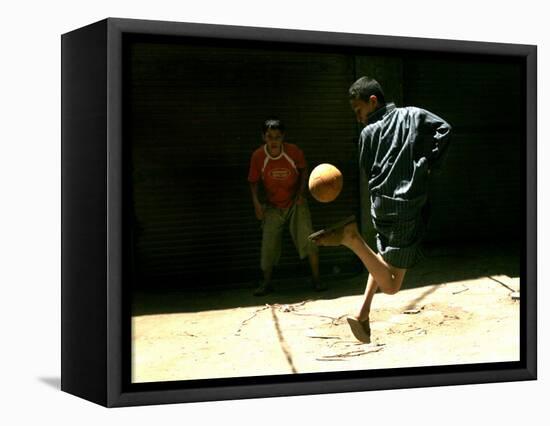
[(302, 169), (258, 209), (302, 186), (254, 176), (440, 132), (365, 160)]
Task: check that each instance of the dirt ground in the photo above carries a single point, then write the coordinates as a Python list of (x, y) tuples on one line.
[(454, 308)]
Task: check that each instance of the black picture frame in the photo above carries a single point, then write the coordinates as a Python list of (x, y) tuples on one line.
[(95, 316)]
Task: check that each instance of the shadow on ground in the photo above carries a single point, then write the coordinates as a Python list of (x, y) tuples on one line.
[(54, 382), (441, 265)]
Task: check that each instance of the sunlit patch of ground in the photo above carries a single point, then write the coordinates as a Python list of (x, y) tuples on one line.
[(295, 330)]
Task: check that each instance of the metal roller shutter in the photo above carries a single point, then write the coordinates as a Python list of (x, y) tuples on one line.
[(195, 113)]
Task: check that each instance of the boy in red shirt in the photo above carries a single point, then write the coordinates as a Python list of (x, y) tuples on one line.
[(282, 169)]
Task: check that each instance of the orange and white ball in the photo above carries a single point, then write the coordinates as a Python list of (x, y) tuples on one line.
[(325, 183)]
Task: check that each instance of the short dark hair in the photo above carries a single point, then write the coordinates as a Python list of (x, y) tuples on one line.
[(364, 88), (273, 123)]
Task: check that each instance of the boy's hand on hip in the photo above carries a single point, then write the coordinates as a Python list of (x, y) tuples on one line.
[(259, 210)]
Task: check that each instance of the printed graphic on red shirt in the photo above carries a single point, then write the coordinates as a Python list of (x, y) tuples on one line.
[(279, 175)]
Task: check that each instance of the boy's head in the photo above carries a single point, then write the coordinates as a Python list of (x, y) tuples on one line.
[(366, 96), (273, 134)]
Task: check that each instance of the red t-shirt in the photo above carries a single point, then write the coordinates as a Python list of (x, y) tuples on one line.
[(280, 175)]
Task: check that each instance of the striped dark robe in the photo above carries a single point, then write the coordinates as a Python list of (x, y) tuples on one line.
[(400, 149)]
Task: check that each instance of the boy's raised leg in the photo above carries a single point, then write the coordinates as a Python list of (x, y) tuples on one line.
[(387, 277)]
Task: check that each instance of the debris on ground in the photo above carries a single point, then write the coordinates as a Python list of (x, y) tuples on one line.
[(413, 311), (461, 290), (286, 308), (315, 336), (360, 352)]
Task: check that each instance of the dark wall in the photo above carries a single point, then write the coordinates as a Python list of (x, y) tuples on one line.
[(196, 115), (477, 196)]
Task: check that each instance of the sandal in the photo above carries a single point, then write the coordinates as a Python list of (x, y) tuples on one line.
[(263, 289), (333, 227), (360, 329), (319, 285)]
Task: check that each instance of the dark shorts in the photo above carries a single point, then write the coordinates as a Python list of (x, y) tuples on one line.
[(400, 226)]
